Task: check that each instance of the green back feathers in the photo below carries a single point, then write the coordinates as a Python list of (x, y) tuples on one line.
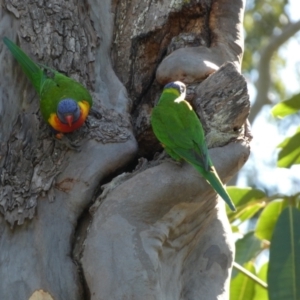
[(175, 122), (53, 90), (178, 128), (58, 88), (50, 89), (34, 73)]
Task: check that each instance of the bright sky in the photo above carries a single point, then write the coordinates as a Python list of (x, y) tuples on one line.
[(294, 10)]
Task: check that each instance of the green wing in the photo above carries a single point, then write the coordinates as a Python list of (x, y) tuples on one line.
[(60, 87), (178, 128), (53, 88), (34, 73)]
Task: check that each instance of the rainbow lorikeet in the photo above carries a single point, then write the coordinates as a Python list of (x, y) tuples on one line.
[(177, 127), (64, 102)]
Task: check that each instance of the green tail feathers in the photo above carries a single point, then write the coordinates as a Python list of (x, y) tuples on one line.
[(217, 185), (34, 73)]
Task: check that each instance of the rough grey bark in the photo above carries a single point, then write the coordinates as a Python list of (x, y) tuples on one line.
[(152, 230), (159, 235)]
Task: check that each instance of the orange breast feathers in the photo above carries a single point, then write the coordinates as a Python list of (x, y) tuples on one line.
[(56, 124)]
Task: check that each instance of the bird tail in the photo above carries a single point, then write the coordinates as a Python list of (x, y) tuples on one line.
[(213, 179), (32, 70)]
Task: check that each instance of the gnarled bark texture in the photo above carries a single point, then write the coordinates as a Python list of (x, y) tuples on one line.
[(156, 232)]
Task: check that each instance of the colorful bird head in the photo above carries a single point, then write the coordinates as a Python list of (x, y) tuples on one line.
[(68, 111), (176, 87)]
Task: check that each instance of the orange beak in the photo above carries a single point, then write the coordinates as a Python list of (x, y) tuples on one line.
[(69, 119)]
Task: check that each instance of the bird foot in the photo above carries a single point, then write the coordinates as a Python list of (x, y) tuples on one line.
[(175, 162), (62, 139), (163, 156), (95, 113)]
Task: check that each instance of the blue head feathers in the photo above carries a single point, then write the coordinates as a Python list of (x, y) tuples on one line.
[(68, 111)]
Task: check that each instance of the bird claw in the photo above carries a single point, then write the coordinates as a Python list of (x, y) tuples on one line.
[(62, 139), (175, 162), (95, 113), (163, 156)]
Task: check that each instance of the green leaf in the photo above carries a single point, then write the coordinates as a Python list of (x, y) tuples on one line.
[(241, 196), (234, 228), (290, 151), (248, 211), (246, 249), (287, 107), (247, 201), (241, 286), (268, 218), (260, 292), (284, 263)]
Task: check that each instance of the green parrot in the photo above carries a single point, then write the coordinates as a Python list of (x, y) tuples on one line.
[(177, 127), (64, 102)]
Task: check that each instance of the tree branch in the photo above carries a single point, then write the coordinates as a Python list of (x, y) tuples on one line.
[(250, 275), (264, 80)]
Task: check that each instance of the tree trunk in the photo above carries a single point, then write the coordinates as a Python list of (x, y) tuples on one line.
[(156, 232)]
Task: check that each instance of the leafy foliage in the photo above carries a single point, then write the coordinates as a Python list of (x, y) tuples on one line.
[(284, 264), (287, 107), (244, 196), (248, 201), (247, 248), (261, 293), (267, 220), (290, 151), (275, 219), (262, 19), (277, 229), (242, 287)]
